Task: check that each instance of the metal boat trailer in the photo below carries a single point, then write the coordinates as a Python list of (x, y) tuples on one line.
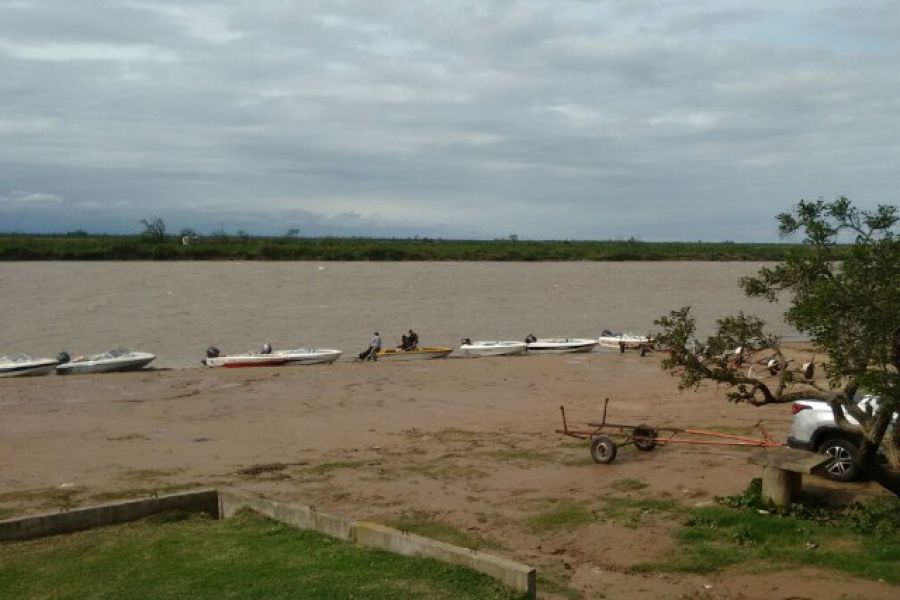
[(606, 438)]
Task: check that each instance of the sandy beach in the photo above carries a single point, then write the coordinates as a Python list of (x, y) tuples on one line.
[(468, 442)]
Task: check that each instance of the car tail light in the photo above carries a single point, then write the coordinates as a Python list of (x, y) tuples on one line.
[(797, 407)]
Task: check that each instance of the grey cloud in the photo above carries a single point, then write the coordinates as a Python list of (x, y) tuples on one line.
[(656, 119)]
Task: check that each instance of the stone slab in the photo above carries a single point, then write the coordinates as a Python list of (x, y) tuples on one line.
[(79, 519), (788, 459)]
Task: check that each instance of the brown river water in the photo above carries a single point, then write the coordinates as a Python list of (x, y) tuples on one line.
[(177, 309)]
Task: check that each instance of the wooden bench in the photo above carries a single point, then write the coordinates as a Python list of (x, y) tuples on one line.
[(783, 470)]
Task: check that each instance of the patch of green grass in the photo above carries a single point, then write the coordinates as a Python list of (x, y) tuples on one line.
[(550, 584), (628, 485), (245, 557), (632, 511), (45, 498), (443, 468), (424, 524), (329, 467), (562, 515), (714, 538)]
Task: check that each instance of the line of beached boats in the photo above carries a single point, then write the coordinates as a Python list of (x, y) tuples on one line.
[(121, 359)]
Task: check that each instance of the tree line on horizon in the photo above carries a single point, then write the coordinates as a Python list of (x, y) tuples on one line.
[(158, 245)]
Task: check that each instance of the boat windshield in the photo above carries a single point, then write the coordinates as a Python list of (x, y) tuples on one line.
[(114, 353), (16, 358)]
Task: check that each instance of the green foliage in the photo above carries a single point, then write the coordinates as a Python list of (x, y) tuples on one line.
[(878, 516), (246, 556), (845, 298), (220, 245), (716, 538), (750, 498)]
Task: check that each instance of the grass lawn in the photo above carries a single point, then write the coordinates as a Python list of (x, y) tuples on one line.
[(190, 556), (717, 537)]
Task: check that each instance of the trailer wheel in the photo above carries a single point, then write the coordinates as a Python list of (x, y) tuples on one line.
[(603, 449), (644, 437)]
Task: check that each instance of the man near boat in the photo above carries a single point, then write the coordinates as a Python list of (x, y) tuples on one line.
[(371, 353), (409, 342)]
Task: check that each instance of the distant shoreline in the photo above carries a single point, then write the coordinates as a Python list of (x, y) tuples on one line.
[(86, 247)]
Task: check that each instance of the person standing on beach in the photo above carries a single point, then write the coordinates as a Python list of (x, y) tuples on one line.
[(374, 347)]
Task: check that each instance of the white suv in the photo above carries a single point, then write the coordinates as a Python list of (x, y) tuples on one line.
[(814, 429)]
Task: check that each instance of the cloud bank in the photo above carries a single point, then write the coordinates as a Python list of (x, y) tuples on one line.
[(654, 119)]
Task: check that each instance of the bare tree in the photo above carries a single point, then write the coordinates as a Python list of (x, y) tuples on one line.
[(154, 228)]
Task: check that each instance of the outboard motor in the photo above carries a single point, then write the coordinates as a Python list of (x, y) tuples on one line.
[(212, 352), (266, 348), (63, 357)]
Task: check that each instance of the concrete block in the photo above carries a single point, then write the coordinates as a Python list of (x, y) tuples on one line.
[(393, 540), (336, 526), (780, 487), (297, 515), (515, 575), (231, 501), (79, 519), (788, 459)]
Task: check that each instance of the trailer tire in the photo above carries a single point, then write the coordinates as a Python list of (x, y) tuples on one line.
[(644, 437), (603, 449)]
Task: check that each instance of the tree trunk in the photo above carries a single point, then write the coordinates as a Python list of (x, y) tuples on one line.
[(871, 442)]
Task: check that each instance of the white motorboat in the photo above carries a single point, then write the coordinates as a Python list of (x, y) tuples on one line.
[(117, 359), (309, 356), (490, 348), (21, 365), (560, 345), (267, 357), (609, 339), (247, 359)]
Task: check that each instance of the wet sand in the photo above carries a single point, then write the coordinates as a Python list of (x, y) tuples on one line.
[(469, 442)]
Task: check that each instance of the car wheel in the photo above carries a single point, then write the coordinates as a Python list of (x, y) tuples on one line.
[(603, 449), (844, 454)]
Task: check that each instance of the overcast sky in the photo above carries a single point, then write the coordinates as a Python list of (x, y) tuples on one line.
[(654, 119)]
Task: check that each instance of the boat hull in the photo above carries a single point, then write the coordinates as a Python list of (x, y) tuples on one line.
[(317, 357), (562, 346), (104, 366), (244, 361), (419, 354), (615, 341), (28, 370), (492, 349)]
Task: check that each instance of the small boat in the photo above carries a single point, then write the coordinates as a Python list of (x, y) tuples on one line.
[(561, 345), (490, 348), (247, 359), (117, 359), (608, 339), (309, 356), (267, 357), (21, 365), (415, 353)]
